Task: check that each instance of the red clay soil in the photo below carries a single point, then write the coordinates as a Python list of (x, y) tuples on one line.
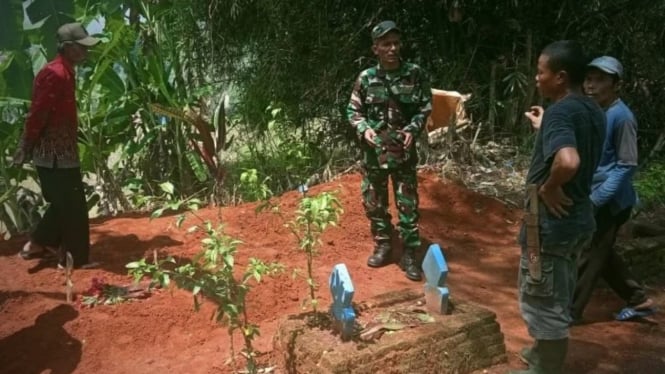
[(40, 333)]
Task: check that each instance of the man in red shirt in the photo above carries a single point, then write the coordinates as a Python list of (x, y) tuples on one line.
[(50, 141)]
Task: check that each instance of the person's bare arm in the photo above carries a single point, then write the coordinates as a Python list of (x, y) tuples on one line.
[(564, 167)]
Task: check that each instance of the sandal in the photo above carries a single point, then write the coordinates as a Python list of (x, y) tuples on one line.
[(629, 313)]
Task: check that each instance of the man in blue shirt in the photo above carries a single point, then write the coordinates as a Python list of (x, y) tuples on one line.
[(613, 196)]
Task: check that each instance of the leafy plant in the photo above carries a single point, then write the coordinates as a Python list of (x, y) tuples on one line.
[(18, 203), (211, 274), (209, 148), (167, 200), (275, 159), (159, 274), (313, 216), (251, 188), (649, 184)]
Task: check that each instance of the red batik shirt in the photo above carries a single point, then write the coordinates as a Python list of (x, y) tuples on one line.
[(51, 127)]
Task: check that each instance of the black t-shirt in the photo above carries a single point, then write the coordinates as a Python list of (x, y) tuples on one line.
[(574, 121)]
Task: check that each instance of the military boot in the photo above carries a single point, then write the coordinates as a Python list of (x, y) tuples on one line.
[(409, 264), (381, 255), (545, 357)]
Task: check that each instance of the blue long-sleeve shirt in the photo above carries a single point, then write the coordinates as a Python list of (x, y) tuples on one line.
[(613, 179)]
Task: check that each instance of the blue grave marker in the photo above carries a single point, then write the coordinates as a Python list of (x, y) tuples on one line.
[(303, 189), (342, 291), (436, 271)]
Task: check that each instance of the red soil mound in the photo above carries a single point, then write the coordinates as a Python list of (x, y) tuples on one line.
[(164, 334)]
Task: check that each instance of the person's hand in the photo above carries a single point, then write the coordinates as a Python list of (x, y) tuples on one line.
[(408, 139), (369, 136), (19, 158), (535, 115), (555, 200)]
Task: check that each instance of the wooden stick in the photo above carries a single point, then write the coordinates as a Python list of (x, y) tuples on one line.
[(69, 285), (533, 234)]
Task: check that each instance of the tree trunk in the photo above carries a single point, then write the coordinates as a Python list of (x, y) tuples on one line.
[(491, 116)]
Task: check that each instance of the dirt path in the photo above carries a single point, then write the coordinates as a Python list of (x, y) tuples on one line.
[(38, 334)]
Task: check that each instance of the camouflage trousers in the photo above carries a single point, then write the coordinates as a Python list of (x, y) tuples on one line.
[(374, 189)]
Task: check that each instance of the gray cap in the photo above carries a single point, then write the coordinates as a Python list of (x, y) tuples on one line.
[(608, 64), (382, 28), (74, 32)]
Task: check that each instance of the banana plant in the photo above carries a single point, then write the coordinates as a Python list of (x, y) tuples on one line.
[(133, 73), (176, 95), (136, 71), (18, 204)]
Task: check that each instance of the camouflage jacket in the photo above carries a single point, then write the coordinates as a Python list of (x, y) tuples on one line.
[(390, 103)]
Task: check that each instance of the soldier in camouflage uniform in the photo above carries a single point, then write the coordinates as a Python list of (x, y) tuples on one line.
[(389, 105)]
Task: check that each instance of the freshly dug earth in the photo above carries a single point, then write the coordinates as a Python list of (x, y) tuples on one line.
[(163, 333)]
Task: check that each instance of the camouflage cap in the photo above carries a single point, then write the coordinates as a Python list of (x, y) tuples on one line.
[(382, 28), (74, 32)]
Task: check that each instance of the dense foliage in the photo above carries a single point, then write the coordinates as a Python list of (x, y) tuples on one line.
[(306, 57)]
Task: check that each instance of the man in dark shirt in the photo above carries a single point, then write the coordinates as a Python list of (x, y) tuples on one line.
[(612, 195), (50, 141), (566, 153)]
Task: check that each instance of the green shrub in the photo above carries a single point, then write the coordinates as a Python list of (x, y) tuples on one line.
[(650, 184)]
